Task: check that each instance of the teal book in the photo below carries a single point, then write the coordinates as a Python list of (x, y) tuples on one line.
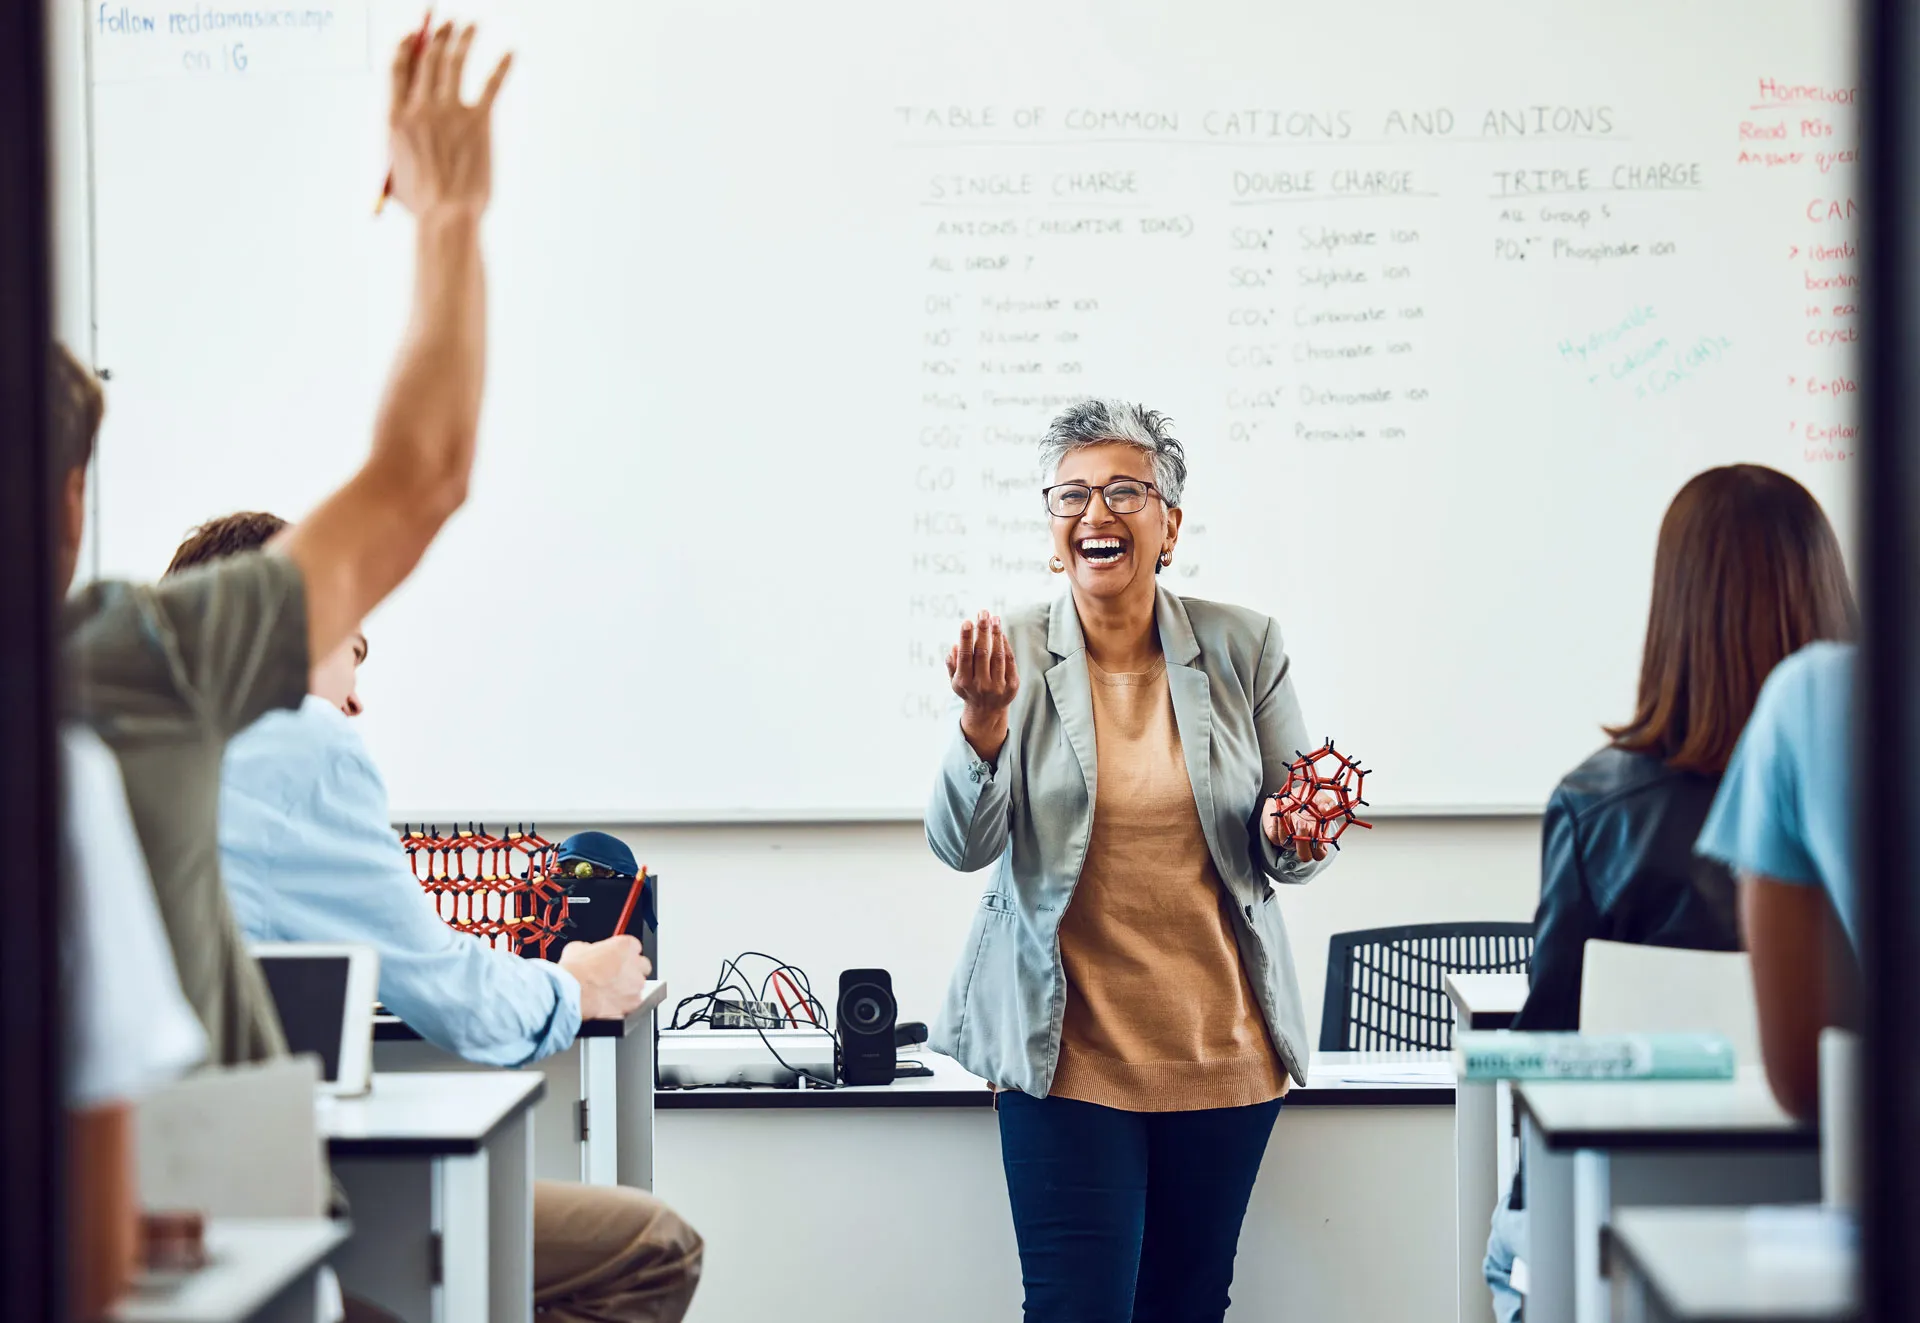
[(1500, 1054)]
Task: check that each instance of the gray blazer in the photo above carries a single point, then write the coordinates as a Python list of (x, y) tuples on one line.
[(1031, 814)]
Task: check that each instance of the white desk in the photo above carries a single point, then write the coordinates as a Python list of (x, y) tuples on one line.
[(782, 1182), (259, 1271), (1340, 1079), (438, 1169), (596, 1122), (948, 1086), (1482, 1122), (1486, 1001), (1734, 1265), (1592, 1147)]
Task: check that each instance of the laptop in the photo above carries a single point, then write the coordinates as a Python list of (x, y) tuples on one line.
[(325, 992)]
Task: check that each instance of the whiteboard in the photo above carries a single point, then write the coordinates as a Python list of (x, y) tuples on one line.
[(1446, 300)]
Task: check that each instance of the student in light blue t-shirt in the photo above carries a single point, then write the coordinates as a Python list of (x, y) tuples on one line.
[(1783, 821)]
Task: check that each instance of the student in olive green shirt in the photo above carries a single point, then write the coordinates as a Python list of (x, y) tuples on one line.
[(167, 673)]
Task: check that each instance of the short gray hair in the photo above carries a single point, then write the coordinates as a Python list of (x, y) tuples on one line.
[(1092, 422)]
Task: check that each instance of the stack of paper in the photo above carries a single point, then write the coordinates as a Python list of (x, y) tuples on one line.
[(1427, 1074)]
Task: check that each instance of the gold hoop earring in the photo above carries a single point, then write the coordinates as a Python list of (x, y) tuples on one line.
[(1057, 565)]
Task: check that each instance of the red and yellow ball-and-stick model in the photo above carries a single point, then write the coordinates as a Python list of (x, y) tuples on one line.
[(1325, 788)]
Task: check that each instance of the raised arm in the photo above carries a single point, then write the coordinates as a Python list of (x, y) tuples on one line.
[(367, 537), (967, 819)]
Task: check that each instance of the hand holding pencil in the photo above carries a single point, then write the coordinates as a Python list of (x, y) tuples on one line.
[(612, 975), (442, 147), (419, 46)]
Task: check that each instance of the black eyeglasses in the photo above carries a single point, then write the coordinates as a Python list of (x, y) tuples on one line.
[(1126, 496)]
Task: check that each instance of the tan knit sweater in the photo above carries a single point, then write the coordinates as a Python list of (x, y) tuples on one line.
[(1160, 1015)]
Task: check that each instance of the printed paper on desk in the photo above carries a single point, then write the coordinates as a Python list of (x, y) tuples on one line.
[(1432, 1074)]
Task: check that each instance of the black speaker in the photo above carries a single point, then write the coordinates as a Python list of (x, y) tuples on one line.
[(866, 1015)]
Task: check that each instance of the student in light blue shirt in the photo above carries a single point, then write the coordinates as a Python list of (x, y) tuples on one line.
[(1784, 810), (309, 855), (1783, 822)]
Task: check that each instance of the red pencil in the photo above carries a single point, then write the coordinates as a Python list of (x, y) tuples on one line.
[(419, 45), (626, 910)]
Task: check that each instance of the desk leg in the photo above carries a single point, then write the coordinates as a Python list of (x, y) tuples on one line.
[(561, 1120), (297, 1302), (1550, 1293), (510, 1221), (1474, 1167), (635, 1122), (389, 1260), (600, 1087), (1664, 1179), (1506, 1137), (462, 1202), (1592, 1211), (1630, 1300)]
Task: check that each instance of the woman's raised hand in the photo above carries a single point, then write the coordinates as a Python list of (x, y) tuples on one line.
[(982, 672)]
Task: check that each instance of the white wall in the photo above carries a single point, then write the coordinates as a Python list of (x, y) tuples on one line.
[(829, 898)]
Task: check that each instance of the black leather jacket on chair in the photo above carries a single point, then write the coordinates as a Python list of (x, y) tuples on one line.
[(1617, 863)]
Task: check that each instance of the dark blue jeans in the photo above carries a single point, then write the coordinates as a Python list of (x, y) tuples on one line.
[(1128, 1217)]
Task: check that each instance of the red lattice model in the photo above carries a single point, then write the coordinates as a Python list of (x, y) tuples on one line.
[(505, 890), (1326, 794)]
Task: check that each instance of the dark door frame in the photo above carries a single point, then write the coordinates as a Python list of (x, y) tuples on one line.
[(1887, 719), (31, 1231)]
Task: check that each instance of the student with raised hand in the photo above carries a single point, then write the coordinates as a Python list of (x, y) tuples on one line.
[(166, 674), (1783, 822), (1747, 569), (1128, 982), (309, 854)]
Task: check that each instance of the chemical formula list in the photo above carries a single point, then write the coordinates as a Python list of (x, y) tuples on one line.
[(1444, 301), (1341, 260)]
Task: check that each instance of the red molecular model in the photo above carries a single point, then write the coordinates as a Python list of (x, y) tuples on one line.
[(505, 890), (1325, 786)]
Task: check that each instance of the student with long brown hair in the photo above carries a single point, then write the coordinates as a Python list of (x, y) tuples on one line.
[(1747, 571)]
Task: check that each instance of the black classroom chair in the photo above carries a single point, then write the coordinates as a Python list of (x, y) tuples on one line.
[(1386, 987)]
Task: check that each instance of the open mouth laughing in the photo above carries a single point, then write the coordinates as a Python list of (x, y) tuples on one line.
[(1101, 550)]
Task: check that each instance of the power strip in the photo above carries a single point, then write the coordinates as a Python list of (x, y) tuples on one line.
[(711, 1057), (747, 1015)]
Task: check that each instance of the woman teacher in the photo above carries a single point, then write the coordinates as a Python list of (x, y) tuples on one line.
[(1127, 982)]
